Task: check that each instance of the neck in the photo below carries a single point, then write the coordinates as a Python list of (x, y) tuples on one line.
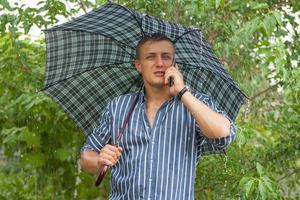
[(157, 95)]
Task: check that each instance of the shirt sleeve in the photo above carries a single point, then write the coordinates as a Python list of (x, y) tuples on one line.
[(207, 145), (101, 135)]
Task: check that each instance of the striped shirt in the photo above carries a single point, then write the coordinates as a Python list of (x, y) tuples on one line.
[(158, 162)]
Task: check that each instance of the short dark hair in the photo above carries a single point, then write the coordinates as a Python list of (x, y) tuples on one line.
[(155, 37)]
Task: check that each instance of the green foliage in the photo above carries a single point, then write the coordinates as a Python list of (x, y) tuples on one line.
[(254, 43), (260, 185), (34, 130)]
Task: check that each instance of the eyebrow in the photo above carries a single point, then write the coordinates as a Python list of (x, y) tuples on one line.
[(154, 53)]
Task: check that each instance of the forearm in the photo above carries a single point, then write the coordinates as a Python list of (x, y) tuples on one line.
[(212, 124), (89, 161)]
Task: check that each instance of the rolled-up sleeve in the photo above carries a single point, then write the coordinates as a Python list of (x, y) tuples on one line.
[(101, 135), (207, 145)]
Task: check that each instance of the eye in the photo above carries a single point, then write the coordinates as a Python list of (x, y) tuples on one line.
[(150, 57)]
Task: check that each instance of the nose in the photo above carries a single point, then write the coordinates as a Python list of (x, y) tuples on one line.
[(159, 61)]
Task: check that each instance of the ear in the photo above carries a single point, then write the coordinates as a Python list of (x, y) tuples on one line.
[(138, 65)]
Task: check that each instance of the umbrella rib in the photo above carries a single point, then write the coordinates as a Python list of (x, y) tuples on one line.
[(139, 22), (196, 67), (233, 83), (109, 65), (121, 44), (187, 32)]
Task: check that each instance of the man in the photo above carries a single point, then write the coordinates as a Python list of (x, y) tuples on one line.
[(168, 131)]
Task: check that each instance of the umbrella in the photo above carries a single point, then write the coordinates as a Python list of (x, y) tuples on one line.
[(90, 61)]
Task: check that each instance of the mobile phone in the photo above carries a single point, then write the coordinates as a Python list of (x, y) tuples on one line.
[(171, 79)]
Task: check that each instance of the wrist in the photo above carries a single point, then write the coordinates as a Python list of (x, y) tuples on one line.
[(182, 92)]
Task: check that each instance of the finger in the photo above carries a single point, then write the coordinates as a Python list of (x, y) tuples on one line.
[(167, 77), (113, 148), (111, 158), (109, 146), (119, 154), (174, 69), (107, 162), (168, 74), (120, 149), (107, 151), (114, 151)]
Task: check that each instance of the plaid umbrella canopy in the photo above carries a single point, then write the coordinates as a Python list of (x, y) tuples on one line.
[(90, 61)]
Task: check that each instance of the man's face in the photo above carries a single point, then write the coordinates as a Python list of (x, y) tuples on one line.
[(154, 58)]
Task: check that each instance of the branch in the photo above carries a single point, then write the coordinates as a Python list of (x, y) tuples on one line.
[(15, 46), (288, 175), (82, 6), (264, 91)]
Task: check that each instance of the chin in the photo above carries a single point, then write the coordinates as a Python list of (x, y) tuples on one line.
[(157, 85)]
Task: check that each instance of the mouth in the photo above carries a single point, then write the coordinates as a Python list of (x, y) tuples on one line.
[(159, 73)]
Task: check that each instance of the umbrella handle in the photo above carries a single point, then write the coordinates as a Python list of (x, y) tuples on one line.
[(102, 172)]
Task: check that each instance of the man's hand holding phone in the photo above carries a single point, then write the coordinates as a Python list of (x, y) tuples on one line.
[(173, 74)]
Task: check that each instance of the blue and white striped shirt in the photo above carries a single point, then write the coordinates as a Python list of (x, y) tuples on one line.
[(158, 162)]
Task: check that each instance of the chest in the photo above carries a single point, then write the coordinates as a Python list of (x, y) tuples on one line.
[(155, 125), (151, 112), (151, 116)]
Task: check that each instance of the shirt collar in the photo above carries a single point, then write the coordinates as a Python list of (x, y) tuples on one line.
[(143, 99)]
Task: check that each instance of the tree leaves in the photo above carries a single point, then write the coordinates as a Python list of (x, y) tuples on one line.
[(247, 35), (258, 6), (219, 3), (268, 24), (5, 4), (63, 154), (259, 185)]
